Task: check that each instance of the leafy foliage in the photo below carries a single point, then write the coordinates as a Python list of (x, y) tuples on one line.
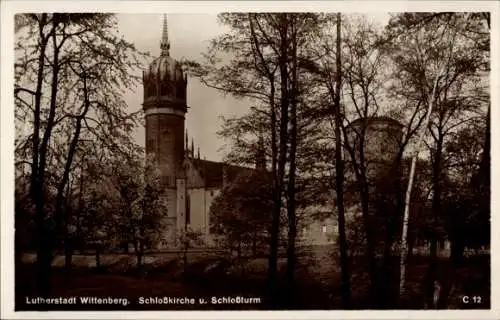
[(242, 212)]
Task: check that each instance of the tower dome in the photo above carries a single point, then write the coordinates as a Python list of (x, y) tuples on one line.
[(164, 79)]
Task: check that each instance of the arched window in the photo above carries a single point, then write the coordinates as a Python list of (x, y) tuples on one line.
[(164, 88), (152, 89)]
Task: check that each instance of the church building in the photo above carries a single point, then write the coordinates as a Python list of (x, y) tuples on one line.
[(191, 183)]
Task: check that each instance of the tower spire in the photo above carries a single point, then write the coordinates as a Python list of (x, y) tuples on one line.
[(192, 148), (165, 44)]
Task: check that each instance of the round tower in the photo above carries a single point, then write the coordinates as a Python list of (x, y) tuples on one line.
[(381, 138), (165, 108)]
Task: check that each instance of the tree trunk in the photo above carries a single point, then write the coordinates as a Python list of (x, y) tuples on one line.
[(254, 245), (411, 244), (38, 96), (98, 255), (394, 222), (430, 279), (139, 259), (436, 211), (278, 147), (282, 157), (69, 242), (454, 263), (65, 178), (291, 205), (345, 286), (291, 260), (238, 249), (275, 219), (138, 253), (429, 287), (47, 234), (370, 249), (36, 188), (44, 259)]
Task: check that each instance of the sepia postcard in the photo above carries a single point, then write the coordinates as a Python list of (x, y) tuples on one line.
[(313, 159)]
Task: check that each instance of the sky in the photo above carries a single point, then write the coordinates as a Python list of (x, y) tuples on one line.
[(189, 36)]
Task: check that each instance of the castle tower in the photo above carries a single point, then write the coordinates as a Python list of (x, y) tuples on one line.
[(381, 138), (165, 108)]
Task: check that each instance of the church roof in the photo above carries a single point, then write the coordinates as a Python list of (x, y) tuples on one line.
[(215, 174)]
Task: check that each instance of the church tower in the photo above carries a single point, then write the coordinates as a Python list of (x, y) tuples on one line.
[(165, 109)]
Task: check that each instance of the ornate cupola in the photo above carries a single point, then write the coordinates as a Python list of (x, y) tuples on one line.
[(164, 80)]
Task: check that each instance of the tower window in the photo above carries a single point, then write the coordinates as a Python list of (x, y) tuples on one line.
[(164, 89)]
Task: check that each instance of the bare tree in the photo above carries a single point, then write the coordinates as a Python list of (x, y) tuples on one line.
[(55, 40), (339, 173)]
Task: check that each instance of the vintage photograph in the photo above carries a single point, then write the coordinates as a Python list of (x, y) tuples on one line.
[(252, 161)]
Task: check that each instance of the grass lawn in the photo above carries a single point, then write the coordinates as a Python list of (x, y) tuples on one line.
[(317, 282)]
